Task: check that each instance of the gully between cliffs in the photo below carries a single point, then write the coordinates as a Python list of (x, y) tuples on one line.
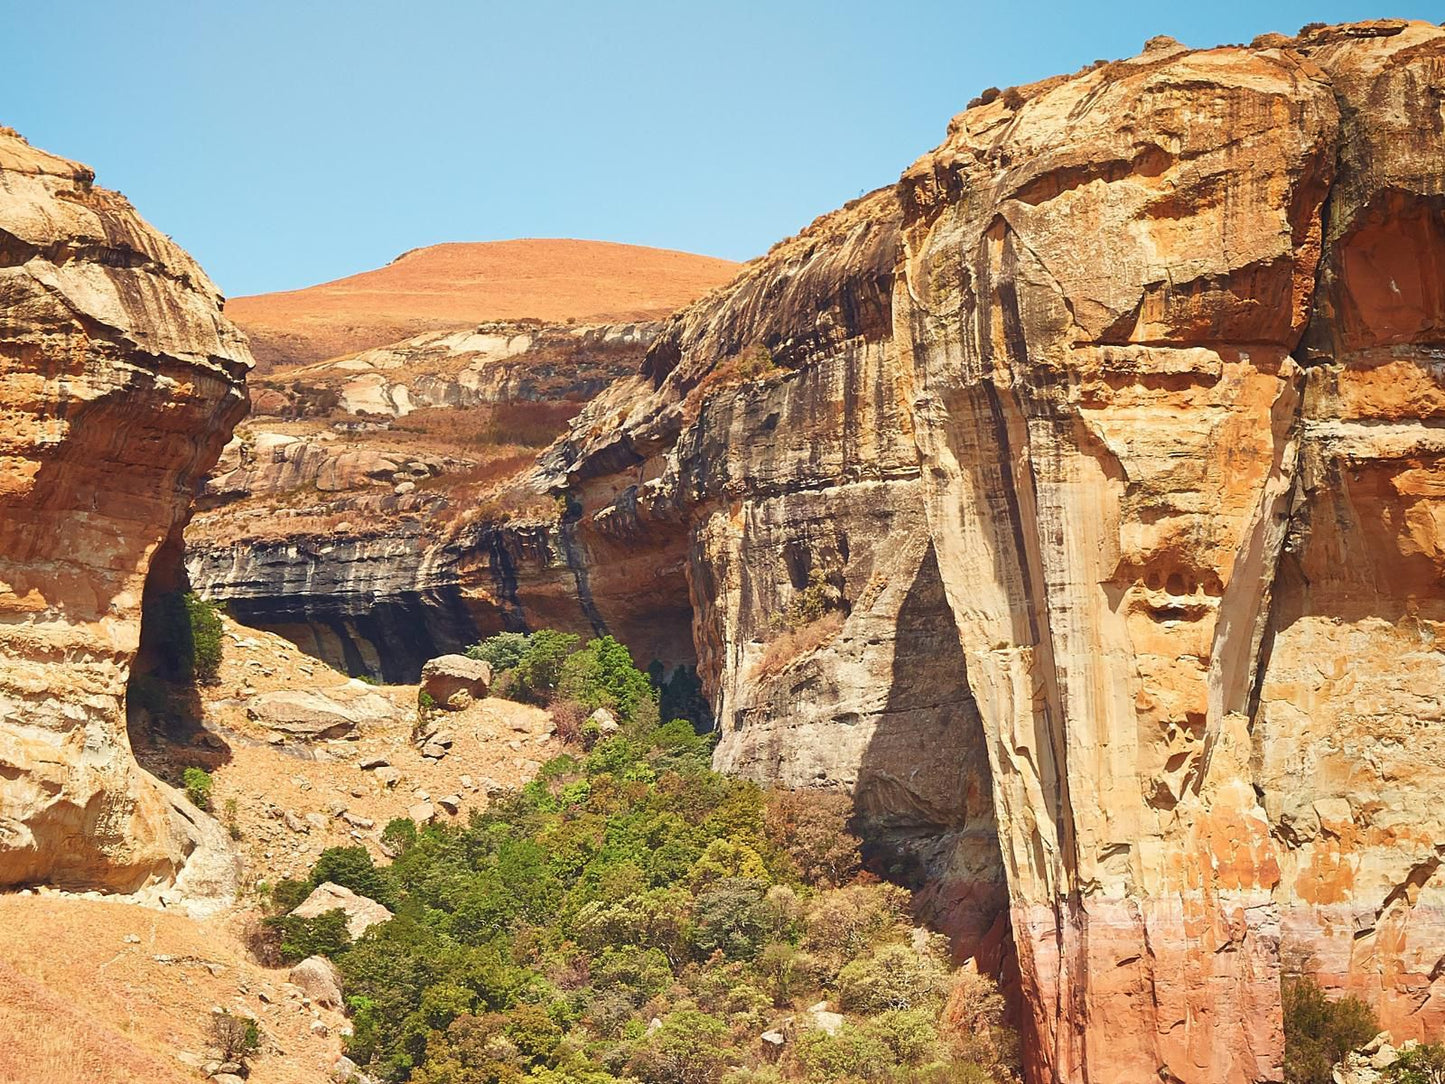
[(1076, 504)]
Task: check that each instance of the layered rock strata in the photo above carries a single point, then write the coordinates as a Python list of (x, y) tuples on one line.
[(369, 512), (1076, 504), (119, 383)]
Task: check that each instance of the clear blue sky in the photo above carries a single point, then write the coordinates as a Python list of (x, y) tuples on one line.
[(290, 142)]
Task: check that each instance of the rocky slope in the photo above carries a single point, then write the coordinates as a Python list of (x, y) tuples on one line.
[(1076, 503), (452, 286), (119, 384), (370, 508)]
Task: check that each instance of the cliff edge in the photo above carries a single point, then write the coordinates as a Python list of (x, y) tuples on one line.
[(120, 382)]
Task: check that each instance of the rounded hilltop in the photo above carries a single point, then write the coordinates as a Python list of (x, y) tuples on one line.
[(453, 285)]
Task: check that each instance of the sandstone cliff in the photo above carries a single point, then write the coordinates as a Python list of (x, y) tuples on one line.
[(119, 383), (1077, 504)]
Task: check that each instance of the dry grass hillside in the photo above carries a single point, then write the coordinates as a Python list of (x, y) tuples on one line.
[(451, 286)]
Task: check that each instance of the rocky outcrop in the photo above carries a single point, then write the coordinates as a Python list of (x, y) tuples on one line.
[(455, 680), (368, 510), (498, 362), (119, 383), (362, 912), (383, 603), (1076, 505)]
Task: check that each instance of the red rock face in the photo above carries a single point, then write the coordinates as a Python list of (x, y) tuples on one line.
[(119, 384)]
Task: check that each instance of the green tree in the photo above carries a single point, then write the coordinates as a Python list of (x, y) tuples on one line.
[(602, 675), (353, 868), (689, 1047), (1318, 1031), (538, 670), (1424, 1064), (895, 976), (502, 651), (324, 935), (204, 619)]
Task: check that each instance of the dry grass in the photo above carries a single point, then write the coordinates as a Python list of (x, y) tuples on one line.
[(750, 364), (80, 1004), (455, 285), (795, 643), (467, 429)]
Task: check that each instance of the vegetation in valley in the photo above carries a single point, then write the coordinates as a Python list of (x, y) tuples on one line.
[(631, 915), (1318, 1032)]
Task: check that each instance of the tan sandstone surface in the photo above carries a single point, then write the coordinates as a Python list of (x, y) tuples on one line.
[(1105, 444), (119, 384), (449, 287)]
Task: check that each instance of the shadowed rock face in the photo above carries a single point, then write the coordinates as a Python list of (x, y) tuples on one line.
[(119, 383), (1077, 504)]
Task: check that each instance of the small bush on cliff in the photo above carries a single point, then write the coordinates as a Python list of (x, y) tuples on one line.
[(1425, 1064), (205, 622), (1318, 1031), (234, 1038), (186, 632), (197, 782)]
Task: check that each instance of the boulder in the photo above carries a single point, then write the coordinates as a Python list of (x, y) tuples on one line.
[(311, 715), (319, 979), (445, 676), (605, 722), (362, 912), (820, 1018)]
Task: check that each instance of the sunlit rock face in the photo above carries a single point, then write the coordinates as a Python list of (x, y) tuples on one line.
[(119, 383), (1105, 446), (1175, 328)]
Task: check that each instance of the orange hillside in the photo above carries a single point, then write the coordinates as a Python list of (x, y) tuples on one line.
[(456, 285)]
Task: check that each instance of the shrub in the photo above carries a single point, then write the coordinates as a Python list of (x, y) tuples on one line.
[(799, 641), (205, 623), (689, 1047), (896, 976), (601, 675), (324, 935), (234, 1038), (538, 670), (197, 782), (1318, 1031), (569, 717), (811, 828), (185, 631), (730, 918), (850, 1054), (352, 867), (502, 651), (1425, 1064)]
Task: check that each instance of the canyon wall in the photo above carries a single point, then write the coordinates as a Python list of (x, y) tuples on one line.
[(367, 510), (119, 383), (1076, 504)]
